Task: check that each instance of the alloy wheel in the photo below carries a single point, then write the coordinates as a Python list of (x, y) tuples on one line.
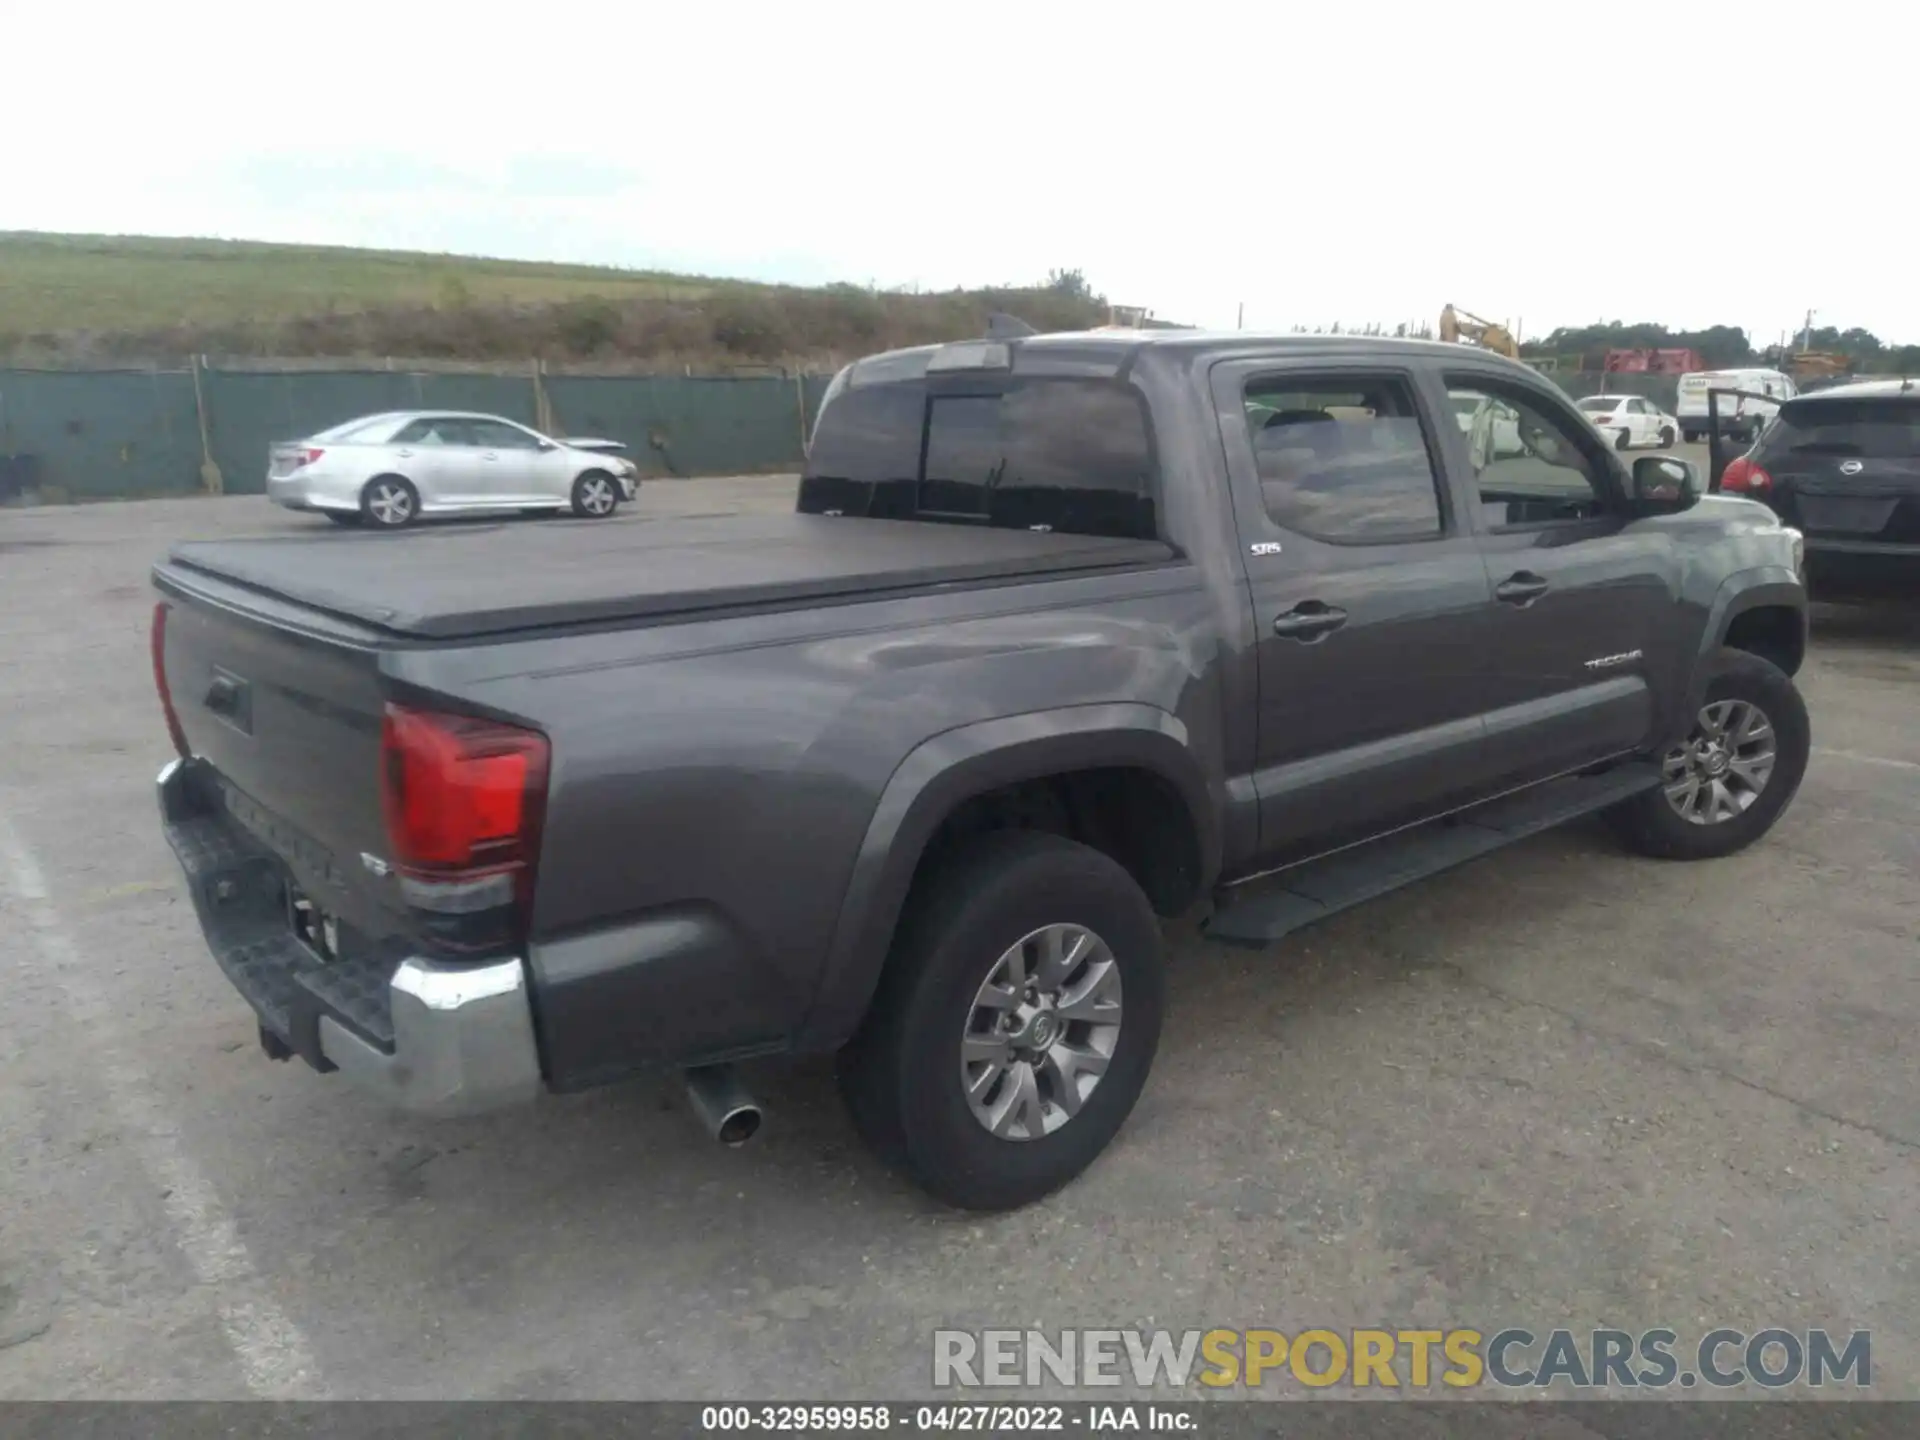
[(390, 504), (596, 496), (1040, 1032), (1722, 767)]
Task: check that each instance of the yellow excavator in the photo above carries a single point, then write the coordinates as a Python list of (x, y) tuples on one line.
[(1460, 327), (1805, 365)]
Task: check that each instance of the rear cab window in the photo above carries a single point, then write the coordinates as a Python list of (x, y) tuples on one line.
[(1067, 455)]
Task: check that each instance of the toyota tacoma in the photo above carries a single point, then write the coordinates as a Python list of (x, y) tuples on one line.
[(1066, 636)]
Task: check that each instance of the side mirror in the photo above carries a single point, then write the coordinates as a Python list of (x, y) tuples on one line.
[(1664, 485)]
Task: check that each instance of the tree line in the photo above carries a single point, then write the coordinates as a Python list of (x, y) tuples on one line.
[(1585, 347), (1720, 346)]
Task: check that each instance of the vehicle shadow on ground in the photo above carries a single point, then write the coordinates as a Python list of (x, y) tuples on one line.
[(641, 1140)]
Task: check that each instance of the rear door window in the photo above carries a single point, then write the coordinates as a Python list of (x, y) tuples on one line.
[(1067, 455), (1345, 459)]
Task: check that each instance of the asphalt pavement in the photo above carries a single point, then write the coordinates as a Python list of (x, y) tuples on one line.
[(1561, 1086)]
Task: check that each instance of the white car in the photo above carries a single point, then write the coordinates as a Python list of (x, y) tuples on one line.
[(1492, 429), (1630, 420), (389, 470)]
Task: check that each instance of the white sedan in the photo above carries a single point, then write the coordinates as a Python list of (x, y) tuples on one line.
[(389, 470), (1629, 420)]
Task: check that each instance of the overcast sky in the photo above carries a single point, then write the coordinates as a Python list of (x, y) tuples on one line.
[(1542, 164)]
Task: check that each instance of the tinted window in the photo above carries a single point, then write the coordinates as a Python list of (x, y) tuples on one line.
[(1065, 455), (1343, 460), (1528, 465), (1596, 404), (1868, 429)]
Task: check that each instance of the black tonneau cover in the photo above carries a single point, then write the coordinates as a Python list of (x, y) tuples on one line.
[(461, 581)]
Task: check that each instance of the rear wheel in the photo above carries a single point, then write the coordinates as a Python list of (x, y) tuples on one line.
[(1015, 1023), (1693, 436), (1624, 441), (1723, 786), (390, 502), (596, 495), (1666, 437)]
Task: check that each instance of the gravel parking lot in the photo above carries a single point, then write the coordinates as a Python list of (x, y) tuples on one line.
[(1562, 1086)]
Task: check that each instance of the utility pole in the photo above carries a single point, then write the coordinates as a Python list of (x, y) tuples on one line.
[(1240, 320), (1806, 336)]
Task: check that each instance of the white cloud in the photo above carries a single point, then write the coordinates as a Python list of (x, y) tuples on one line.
[(1546, 163)]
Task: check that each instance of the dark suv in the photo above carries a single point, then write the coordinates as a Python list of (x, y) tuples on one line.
[(1843, 465)]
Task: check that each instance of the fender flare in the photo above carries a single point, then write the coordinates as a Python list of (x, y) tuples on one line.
[(954, 766), (1744, 590)]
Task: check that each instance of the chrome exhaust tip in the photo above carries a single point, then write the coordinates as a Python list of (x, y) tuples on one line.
[(731, 1115)]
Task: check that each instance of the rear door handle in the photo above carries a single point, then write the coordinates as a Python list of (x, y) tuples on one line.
[(489, 456), (1521, 589), (1309, 621)]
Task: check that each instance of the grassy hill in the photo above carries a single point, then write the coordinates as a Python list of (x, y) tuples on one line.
[(97, 297)]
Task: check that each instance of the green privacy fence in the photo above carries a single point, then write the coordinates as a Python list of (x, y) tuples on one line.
[(95, 435), (114, 434)]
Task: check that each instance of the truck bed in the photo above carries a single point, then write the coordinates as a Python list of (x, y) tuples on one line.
[(464, 581)]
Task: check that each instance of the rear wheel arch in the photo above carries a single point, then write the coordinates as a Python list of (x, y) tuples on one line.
[(1120, 778)]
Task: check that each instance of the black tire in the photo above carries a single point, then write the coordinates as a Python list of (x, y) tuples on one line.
[(1650, 824), (1666, 437), (596, 495), (901, 1074), (392, 497), (1693, 436), (1625, 441), (348, 518)]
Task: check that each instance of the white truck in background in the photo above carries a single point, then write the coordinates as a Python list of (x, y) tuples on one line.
[(1740, 417)]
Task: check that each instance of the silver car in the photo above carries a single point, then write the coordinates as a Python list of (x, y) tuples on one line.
[(388, 470)]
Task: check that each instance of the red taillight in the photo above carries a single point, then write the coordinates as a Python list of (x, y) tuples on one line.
[(1743, 477), (306, 457), (158, 647), (462, 796)]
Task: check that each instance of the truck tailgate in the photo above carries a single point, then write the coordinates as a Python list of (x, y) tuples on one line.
[(288, 717)]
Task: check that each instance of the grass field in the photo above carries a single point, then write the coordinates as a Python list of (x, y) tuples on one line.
[(82, 298), (52, 284)]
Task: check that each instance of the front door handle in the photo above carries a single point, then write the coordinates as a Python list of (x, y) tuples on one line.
[(1521, 589), (489, 456), (1309, 621)]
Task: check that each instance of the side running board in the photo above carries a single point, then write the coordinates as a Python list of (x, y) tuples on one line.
[(1315, 889)]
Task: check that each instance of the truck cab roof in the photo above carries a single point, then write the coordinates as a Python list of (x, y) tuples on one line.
[(1109, 353)]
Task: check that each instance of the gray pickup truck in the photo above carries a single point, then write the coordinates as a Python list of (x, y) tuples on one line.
[(1068, 635)]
